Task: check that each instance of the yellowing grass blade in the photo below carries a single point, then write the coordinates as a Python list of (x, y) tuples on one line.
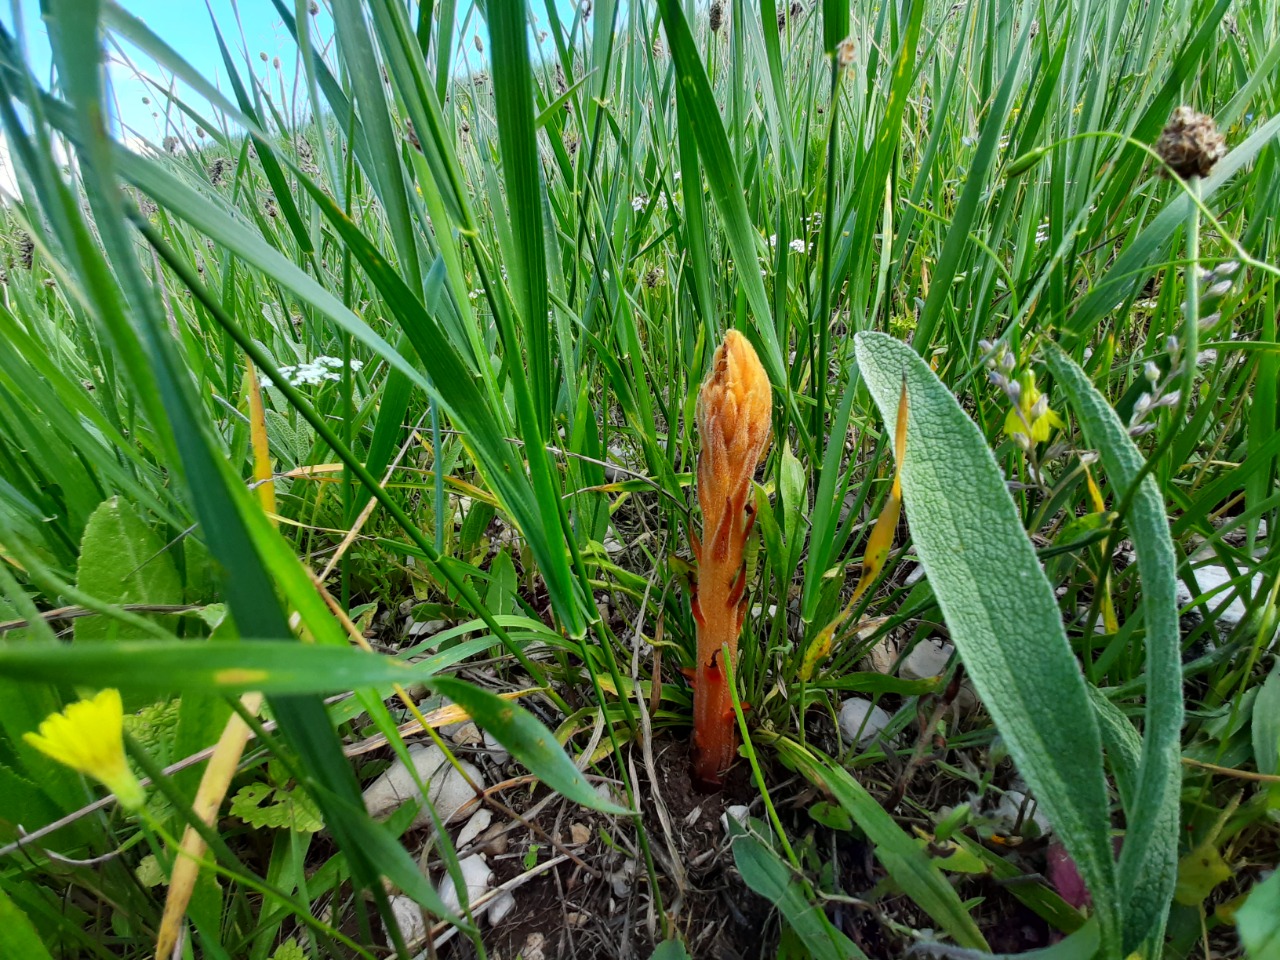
[(264, 485), (878, 545), (213, 787)]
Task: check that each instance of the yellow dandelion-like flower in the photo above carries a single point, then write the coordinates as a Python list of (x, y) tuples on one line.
[(88, 736), (1031, 418)]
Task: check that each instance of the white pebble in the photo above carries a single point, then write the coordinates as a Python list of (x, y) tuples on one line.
[(862, 720), (409, 918), (500, 906), (446, 788), (739, 812), (475, 875), (927, 659), (1214, 580), (1006, 811), (477, 825), (497, 752)]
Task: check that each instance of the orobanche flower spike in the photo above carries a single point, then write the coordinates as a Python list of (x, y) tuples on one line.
[(733, 426), (88, 736)]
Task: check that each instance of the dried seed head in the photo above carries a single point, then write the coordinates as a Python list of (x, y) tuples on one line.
[(654, 276), (26, 249), (218, 170), (1190, 144), (844, 52), (716, 17)]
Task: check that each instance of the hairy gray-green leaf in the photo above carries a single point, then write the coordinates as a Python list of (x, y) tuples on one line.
[(999, 608), (1148, 863)]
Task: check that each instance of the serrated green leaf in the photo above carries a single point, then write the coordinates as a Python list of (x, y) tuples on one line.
[(122, 560), (261, 805), (289, 950), (1000, 609)]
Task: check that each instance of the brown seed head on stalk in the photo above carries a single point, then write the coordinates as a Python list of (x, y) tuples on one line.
[(716, 16), (734, 409), (1190, 143)]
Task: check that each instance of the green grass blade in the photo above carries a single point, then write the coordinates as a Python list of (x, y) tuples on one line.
[(726, 185)]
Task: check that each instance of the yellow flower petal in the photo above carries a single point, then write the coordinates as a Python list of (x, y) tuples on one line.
[(88, 737)]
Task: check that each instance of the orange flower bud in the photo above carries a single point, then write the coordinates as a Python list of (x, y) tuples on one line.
[(734, 412)]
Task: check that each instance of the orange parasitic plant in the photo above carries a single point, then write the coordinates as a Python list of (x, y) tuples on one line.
[(733, 425)]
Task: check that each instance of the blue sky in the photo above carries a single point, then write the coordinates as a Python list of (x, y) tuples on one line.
[(186, 26)]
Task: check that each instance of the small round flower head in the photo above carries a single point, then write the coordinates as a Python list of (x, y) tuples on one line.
[(1190, 144), (1151, 371), (1171, 345), (88, 736)]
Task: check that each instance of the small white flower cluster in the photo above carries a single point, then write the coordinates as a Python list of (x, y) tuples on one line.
[(1160, 394), (312, 372), (639, 202), (799, 246)]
